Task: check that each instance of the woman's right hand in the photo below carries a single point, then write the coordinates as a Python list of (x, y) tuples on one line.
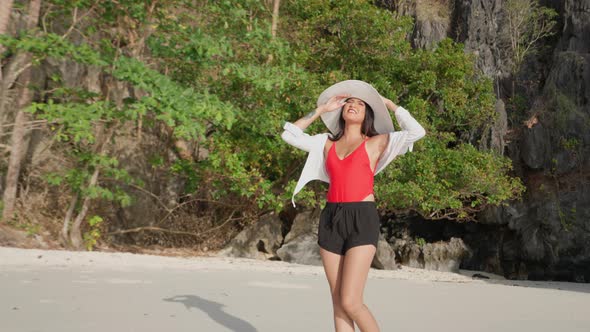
[(334, 103)]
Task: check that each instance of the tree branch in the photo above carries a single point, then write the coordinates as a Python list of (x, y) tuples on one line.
[(159, 229)]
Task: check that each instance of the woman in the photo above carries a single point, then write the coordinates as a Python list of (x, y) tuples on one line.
[(362, 142)]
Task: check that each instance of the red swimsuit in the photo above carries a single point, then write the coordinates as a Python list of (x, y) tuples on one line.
[(351, 179)]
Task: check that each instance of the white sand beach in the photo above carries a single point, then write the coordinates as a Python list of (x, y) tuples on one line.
[(49, 290)]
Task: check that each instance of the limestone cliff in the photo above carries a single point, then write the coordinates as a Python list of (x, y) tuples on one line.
[(547, 234)]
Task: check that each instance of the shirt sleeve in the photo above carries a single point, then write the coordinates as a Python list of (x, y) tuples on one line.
[(401, 141), (414, 131), (295, 136)]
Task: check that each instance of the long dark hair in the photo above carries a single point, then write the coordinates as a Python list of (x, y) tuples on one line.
[(367, 128)]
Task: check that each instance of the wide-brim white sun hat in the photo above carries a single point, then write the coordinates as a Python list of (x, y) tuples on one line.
[(363, 91)]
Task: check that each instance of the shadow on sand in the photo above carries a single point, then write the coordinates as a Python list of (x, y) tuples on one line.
[(215, 311)]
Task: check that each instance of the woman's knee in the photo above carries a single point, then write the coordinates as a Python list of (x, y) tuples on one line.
[(351, 305), (336, 299), (337, 305)]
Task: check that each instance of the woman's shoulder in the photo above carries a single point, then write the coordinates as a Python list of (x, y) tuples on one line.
[(320, 138), (321, 135)]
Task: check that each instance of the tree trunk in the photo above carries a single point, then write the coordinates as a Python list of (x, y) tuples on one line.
[(76, 232), (274, 25), (275, 17), (5, 10), (34, 10), (17, 149), (18, 145), (65, 230), (14, 68)]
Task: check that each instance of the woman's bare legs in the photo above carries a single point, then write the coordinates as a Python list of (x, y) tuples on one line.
[(355, 270), (333, 264)]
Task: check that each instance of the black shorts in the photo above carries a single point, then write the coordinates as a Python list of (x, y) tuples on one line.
[(346, 225)]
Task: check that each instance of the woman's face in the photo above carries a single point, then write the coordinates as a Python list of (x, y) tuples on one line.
[(353, 110)]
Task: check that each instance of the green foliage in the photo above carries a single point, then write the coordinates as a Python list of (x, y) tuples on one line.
[(77, 178), (190, 172), (51, 45), (92, 236), (184, 109), (570, 144), (420, 241), (214, 74), (354, 37), (441, 182), (73, 121), (31, 228), (444, 85)]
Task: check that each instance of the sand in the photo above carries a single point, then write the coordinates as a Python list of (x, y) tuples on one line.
[(49, 290)]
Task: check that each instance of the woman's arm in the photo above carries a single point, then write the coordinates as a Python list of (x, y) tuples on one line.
[(293, 132), (399, 142), (333, 104), (380, 141), (414, 130)]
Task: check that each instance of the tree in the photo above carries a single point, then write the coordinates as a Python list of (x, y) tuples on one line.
[(88, 121), (18, 143), (5, 10), (275, 17), (524, 24)]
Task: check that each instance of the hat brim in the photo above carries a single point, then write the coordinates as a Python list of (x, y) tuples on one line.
[(361, 90)]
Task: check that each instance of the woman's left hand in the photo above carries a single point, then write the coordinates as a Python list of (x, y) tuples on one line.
[(389, 104)]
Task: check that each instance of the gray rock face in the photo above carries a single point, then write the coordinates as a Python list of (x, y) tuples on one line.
[(576, 26), (301, 242), (438, 256), (408, 252), (445, 256), (493, 139), (432, 19), (547, 234), (305, 223), (428, 32), (259, 241), (475, 23), (535, 149), (303, 249), (567, 117), (552, 223), (546, 237), (385, 256), (301, 246)]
